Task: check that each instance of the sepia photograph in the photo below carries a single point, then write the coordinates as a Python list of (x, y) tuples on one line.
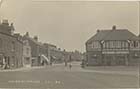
[(69, 44)]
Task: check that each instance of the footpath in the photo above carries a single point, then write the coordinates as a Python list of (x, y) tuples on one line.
[(123, 70), (21, 69)]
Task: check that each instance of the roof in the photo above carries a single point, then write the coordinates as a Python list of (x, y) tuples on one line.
[(33, 40), (115, 34), (11, 36)]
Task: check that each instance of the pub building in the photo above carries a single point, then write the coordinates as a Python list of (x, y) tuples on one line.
[(114, 46)]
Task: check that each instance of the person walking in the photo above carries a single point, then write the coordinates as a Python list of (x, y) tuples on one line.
[(70, 66)]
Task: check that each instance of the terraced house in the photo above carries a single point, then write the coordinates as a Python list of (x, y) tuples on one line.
[(37, 50), (10, 46), (113, 47)]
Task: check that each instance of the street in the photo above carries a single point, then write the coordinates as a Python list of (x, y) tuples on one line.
[(60, 77)]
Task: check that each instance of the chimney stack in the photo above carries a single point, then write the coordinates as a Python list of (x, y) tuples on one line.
[(5, 22), (98, 30), (35, 38), (27, 34), (114, 27)]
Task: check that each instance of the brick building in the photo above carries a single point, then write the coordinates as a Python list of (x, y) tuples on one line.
[(10, 46), (113, 47)]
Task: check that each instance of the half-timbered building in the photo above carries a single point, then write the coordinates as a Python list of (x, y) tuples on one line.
[(113, 47)]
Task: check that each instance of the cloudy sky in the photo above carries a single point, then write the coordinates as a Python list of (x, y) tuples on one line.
[(69, 24)]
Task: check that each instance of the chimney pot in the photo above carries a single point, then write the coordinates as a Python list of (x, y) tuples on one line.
[(36, 38)]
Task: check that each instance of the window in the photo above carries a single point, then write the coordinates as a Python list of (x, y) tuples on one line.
[(13, 46), (103, 45), (111, 44), (123, 44), (0, 43), (135, 44), (118, 44), (27, 51), (95, 45)]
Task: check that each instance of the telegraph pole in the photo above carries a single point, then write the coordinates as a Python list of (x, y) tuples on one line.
[(1, 1)]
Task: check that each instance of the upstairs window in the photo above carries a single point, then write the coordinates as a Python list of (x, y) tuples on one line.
[(13, 46), (95, 45), (135, 44), (27, 51), (118, 44), (124, 45)]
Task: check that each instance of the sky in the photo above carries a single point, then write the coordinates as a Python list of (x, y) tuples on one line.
[(69, 24)]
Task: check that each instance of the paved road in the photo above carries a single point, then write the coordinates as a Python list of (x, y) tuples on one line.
[(60, 77)]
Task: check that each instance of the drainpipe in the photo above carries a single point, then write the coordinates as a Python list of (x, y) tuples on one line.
[(101, 43), (127, 57)]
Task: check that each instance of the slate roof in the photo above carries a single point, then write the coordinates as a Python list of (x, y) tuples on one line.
[(33, 40), (115, 34)]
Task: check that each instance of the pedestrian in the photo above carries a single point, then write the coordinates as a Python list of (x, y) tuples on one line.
[(65, 63), (70, 66)]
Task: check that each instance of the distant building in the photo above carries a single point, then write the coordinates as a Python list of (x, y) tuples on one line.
[(10, 46), (76, 56), (53, 53), (113, 47)]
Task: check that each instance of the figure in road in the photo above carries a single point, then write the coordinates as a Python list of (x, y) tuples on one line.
[(70, 66)]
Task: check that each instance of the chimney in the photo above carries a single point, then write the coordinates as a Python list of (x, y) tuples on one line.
[(12, 29), (5, 22), (114, 27), (98, 30), (27, 34), (35, 38)]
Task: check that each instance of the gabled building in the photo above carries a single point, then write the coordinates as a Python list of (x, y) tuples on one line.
[(113, 47)]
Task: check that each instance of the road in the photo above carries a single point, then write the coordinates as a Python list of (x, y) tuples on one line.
[(60, 77)]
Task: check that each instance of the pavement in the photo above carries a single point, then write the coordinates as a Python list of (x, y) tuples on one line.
[(21, 69), (60, 77)]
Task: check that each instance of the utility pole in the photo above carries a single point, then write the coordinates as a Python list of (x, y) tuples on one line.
[(1, 3)]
